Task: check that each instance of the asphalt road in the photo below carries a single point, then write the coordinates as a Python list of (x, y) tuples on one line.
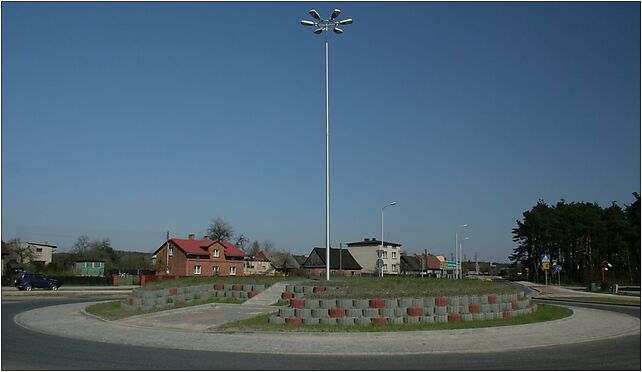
[(26, 350)]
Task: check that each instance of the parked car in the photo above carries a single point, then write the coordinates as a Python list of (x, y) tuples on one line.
[(29, 281)]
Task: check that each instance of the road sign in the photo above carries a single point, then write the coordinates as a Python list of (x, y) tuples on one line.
[(448, 265), (558, 268), (379, 263), (546, 266), (546, 258)]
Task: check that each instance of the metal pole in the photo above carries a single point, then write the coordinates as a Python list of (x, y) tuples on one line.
[(456, 261), (381, 270), (167, 255), (327, 160)]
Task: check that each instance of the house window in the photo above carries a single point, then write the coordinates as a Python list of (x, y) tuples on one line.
[(394, 254), (216, 270), (394, 267), (171, 251), (39, 250), (197, 270), (385, 267), (216, 253), (385, 254), (232, 270)]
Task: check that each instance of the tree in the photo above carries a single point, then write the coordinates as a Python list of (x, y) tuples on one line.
[(255, 248), (219, 229), (80, 246), (20, 251), (267, 245), (241, 242)]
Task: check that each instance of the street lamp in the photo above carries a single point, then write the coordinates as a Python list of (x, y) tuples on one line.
[(457, 273), (322, 27), (461, 257), (382, 209)]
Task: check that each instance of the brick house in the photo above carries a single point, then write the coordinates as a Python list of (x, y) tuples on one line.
[(192, 257)]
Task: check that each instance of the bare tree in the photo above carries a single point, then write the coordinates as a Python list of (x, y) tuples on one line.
[(267, 245), (241, 242), (81, 246), (219, 229), (21, 252)]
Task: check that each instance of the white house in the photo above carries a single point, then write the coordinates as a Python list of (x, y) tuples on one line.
[(367, 251)]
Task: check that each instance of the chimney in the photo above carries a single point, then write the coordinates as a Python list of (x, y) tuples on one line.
[(366, 239), (191, 236), (205, 237)]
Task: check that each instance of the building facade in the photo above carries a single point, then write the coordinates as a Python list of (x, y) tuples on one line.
[(89, 268), (341, 263), (192, 257), (368, 251), (258, 265)]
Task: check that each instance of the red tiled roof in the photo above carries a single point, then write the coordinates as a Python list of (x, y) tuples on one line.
[(231, 250), (432, 262), (193, 246)]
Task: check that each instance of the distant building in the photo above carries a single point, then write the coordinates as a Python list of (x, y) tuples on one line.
[(341, 262), (89, 267), (258, 265), (191, 257), (37, 253), (367, 251)]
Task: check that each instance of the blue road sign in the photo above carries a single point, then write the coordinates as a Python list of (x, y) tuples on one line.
[(558, 268), (546, 258)]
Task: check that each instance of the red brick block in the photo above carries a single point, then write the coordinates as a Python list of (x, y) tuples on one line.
[(415, 311), (441, 301), (318, 289), (492, 299), (454, 318), (380, 320), (297, 303), (293, 320), (237, 287), (337, 312), (377, 304), (515, 305), (507, 314), (218, 286), (287, 295), (172, 290), (474, 308), (251, 294)]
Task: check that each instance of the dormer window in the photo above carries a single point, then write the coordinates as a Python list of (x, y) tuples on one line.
[(216, 253)]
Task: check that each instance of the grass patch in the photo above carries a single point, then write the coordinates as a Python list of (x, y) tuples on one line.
[(395, 287), (189, 281), (601, 300), (112, 310), (260, 323)]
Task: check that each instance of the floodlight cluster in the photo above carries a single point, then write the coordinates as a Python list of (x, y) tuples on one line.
[(326, 24)]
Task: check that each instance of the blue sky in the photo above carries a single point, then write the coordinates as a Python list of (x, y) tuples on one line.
[(125, 120)]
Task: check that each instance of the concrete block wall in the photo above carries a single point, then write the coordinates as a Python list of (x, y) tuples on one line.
[(403, 310), (300, 291), (141, 299)]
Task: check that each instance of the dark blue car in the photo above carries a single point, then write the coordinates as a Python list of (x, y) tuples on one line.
[(29, 281)]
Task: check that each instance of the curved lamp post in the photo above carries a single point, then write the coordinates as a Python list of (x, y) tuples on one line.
[(323, 26), (381, 255)]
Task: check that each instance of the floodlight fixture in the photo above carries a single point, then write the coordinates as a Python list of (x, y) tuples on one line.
[(315, 14), (327, 24), (346, 21), (337, 30), (308, 23), (335, 14)]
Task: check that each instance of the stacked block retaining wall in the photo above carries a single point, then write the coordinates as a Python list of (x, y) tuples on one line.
[(168, 297), (404, 310)]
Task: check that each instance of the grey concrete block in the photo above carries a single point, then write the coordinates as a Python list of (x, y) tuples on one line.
[(298, 289), (344, 303), (276, 320), (473, 299), (361, 304), (411, 319), (286, 312), (303, 313), (179, 297), (308, 289), (331, 321), (485, 308), (137, 301), (467, 317), (427, 319), (507, 306), (310, 320), (236, 294), (387, 312), (441, 318), (489, 316), (453, 309), (219, 294), (243, 294), (464, 309), (289, 287), (405, 302), (227, 287), (441, 310), (429, 301), (478, 316), (345, 321), (495, 308), (137, 293), (483, 299), (311, 304), (390, 303), (258, 287), (371, 313), (327, 304), (429, 310), (299, 295), (453, 300), (354, 313), (464, 301), (363, 321), (401, 311), (320, 313), (396, 320), (417, 302)]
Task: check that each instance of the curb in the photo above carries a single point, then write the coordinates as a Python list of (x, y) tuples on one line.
[(583, 302)]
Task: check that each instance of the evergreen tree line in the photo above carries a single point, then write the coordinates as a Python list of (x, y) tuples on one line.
[(580, 236)]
